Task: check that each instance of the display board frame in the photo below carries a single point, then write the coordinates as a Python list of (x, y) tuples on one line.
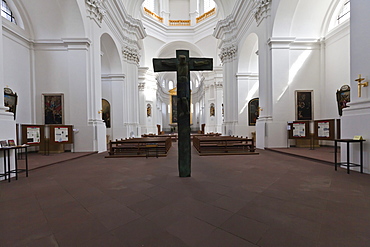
[(58, 134), (324, 129), (26, 132), (293, 126)]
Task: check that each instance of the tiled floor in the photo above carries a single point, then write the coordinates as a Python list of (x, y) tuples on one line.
[(323, 154), (268, 199)]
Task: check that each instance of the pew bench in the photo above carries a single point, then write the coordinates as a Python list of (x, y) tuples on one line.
[(139, 147), (223, 145)]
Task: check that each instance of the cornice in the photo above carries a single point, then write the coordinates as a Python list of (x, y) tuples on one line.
[(130, 29), (230, 30), (293, 43), (113, 76), (63, 44)]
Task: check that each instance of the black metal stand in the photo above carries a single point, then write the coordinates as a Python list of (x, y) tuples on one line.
[(7, 171), (348, 163)]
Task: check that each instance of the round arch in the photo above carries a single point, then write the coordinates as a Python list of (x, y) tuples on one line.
[(110, 57), (248, 55), (293, 20), (61, 20), (169, 51)]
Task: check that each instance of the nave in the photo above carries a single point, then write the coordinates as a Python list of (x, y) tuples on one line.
[(257, 200)]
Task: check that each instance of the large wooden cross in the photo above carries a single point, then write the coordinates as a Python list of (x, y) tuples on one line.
[(182, 64)]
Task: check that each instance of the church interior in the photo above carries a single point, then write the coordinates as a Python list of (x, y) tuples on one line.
[(80, 82)]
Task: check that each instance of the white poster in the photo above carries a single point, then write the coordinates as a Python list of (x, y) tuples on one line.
[(323, 129), (299, 130), (61, 134), (33, 134)]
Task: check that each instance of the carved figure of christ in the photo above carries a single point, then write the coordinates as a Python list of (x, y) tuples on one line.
[(182, 64)]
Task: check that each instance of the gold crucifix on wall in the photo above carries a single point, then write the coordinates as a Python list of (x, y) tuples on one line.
[(361, 84)]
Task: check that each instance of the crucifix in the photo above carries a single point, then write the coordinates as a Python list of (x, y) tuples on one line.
[(182, 64), (361, 84)]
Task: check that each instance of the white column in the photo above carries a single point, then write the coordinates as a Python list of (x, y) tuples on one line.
[(264, 123), (165, 11), (194, 12), (356, 118), (218, 105), (95, 93), (131, 93), (230, 86), (8, 126)]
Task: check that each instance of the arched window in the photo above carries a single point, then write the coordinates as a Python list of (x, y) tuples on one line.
[(170, 85), (208, 5), (344, 13), (6, 12), (340, 15)]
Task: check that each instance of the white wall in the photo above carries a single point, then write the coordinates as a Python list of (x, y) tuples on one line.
[(247, 90), (17, 75), (179, 9), (337, 69)]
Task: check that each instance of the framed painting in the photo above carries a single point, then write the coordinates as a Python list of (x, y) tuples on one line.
[(53, 108), (253, 112), (10, 100), (304, 106), (212, 110), (148, 110), (106, 112), (343, 97)]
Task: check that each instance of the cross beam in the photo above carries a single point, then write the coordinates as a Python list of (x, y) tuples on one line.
[(182, 64)]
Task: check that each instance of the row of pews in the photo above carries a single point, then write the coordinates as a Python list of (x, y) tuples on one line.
[(174, 137), (140, 147), (223, 145), (159, 145)]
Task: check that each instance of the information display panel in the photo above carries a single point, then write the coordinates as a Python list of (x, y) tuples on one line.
[(299, 130), (61, 133), (324, 129), (33, 134)]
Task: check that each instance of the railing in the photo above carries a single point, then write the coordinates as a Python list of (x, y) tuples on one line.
[(179, 22), (206, 15), (155, 16)]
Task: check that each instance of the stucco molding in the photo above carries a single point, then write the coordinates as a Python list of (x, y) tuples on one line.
[(130, 54), (261, 10), (228, 53), (95, 10)]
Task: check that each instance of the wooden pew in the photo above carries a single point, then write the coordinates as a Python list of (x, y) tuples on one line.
[(223, 145), (140, 147)]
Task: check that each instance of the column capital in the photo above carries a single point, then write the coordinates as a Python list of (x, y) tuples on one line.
[(228, 53), (131, 54), (141, 86)]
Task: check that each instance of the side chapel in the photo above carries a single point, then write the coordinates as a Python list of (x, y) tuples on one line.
[(88, 63)]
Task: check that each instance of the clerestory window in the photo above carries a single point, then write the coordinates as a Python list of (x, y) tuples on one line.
[(152, 5), (208, 5), (6, 12)]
